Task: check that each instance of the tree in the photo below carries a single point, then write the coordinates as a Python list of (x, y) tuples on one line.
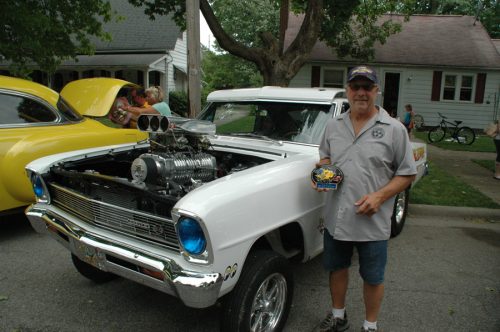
[(224, 71), (487, 11), (351, 26), (46, 32)]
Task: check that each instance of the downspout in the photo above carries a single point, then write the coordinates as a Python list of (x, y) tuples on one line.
[(168, 60)]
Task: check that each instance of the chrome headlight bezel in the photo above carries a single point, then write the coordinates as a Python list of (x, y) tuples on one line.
[(39, 187), (205, 256)]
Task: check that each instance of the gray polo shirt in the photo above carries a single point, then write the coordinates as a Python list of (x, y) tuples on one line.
[(381, 151)]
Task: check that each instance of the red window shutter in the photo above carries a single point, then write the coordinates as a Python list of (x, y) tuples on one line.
[(480, 85), (436, 85), (315, 76)]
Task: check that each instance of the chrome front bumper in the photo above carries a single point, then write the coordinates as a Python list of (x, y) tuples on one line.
[(133, 260)]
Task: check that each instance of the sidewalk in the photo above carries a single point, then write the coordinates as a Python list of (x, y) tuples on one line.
[(459, 164)]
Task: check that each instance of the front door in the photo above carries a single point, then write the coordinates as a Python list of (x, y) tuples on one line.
[(391, 93)]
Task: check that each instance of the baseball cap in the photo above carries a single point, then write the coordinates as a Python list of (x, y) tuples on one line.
[(362, 71)]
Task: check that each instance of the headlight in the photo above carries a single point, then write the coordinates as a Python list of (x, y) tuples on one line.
[(191, 236), (39, 188)]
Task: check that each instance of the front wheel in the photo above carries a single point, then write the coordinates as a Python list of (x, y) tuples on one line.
[(262, 297), (418, 121), (399, 212), (436, 134), (466, 135)]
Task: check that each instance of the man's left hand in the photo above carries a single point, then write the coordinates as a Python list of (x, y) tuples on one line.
[(369, 204)]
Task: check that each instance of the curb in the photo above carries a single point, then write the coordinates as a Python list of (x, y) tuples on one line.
[(453, 211)]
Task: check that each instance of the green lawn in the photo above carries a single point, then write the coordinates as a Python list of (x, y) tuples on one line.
[(440, 188), (481, 144), (488, 164)]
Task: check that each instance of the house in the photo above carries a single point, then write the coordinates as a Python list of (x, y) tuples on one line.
[(143, 51), (446, 64)]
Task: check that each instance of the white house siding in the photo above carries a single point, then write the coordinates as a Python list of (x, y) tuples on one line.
[(179, 59), (417, 91)]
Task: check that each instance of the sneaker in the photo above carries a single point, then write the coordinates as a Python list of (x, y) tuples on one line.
[(369, 330), (330, 324)]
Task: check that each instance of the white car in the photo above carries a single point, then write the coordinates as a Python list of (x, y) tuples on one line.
[(199, 214)]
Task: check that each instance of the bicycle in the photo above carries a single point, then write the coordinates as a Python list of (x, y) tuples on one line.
[(418, 121), (462, 135)]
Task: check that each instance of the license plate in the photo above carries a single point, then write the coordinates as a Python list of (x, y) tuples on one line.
[(87, 253)]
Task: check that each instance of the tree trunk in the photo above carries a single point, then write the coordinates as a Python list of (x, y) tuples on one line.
[(276, 65)]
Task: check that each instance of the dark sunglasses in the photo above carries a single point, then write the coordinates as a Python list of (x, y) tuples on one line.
[(365, 86)]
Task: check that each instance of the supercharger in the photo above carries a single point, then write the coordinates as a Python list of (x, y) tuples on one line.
[(177, 155), (179, 167)]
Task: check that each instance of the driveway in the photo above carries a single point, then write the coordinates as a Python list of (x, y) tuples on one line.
[(443, 275)]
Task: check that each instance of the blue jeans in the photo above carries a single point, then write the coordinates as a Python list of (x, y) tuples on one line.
[(372, 257)]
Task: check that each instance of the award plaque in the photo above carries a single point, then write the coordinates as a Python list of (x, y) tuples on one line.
[(327, 177)]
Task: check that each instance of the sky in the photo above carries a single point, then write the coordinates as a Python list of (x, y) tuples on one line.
[(206, 37)]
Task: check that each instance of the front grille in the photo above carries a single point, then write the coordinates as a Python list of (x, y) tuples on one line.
[(137, 224)]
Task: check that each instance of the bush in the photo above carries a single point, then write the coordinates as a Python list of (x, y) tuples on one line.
[(178, 102)]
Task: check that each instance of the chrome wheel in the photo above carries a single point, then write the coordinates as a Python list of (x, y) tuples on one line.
[(269, 303), (400, 208), (399, 212)]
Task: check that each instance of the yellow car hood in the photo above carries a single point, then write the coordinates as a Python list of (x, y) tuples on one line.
[(93, 96)]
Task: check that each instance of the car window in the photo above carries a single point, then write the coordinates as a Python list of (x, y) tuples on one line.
[(68, 112), (278, 120), (16, 109)]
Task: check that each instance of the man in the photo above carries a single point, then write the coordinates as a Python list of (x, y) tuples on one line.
[(373, 151)]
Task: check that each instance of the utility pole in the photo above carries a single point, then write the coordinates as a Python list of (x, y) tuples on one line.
[(193, 45)]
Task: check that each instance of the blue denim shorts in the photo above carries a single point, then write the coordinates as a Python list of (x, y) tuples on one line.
[(372, 257)]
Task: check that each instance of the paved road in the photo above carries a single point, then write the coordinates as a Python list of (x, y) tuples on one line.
[(443, 275)]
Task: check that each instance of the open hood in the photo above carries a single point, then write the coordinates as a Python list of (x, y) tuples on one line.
[(94, 96)]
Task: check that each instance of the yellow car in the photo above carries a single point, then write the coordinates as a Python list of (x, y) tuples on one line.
[(36, 121)]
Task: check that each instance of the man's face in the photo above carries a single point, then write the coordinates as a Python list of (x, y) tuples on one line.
[(361, 94)]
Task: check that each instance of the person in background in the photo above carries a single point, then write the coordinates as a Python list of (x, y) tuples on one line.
[(408, 118), (138, 97), (373, 151), (496, 140), (154, 96), (156, 105)]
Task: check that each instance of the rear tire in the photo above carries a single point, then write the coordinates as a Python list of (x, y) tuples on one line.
[(436, 134), (399, 212), (90, 272), (262, 298), (466, 135)]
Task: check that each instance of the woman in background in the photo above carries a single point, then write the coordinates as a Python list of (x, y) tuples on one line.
[(156, 105)]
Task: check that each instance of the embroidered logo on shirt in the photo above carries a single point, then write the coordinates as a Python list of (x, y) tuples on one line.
[(378, 132)]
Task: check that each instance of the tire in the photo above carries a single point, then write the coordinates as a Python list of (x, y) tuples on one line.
[(399, 212), (90, 272), (436, 134), (262, 297), (418, 121), (466, 135)]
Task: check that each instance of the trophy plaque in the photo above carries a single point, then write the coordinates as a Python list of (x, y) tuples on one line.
[(327, 177)]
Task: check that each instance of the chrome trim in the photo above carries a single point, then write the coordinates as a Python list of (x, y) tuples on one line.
[(194, 289), (207, 256), (131, 222)]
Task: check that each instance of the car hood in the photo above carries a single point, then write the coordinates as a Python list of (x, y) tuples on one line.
[(93, 96)]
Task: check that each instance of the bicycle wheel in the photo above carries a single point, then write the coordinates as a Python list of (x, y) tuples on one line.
[(436, 134), (466, 135), (418, 121)]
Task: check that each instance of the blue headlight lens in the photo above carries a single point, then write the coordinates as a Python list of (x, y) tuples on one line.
[(191, 236), (38, 187)]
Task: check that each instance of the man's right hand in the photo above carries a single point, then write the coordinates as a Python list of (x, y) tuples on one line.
[(324, 161)]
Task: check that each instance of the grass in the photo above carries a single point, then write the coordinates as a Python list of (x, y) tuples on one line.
[(488, 164), (440, 188), (243, 125), (481, 144)]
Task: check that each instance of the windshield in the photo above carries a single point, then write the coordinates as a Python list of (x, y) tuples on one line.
[(302, 123)]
